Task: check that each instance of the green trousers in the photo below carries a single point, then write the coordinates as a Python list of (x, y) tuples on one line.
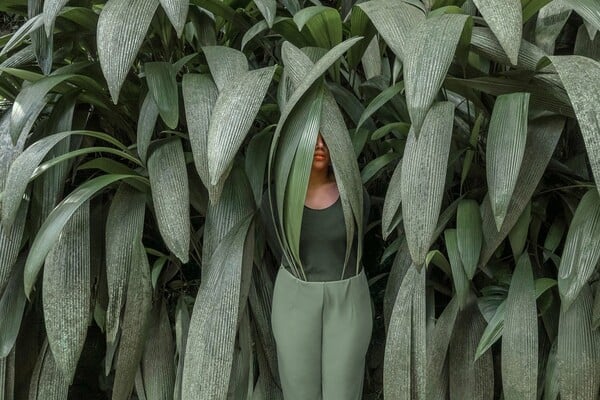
[(322, 331)]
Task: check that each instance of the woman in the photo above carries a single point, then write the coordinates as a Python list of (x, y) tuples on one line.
[(322, 325)]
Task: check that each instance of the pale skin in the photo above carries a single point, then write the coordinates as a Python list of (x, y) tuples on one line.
[(322, 189)]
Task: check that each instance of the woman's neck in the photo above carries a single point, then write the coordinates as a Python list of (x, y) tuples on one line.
[(318, 178)]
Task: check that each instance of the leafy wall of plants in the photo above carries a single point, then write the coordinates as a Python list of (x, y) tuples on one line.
[(137, 138)]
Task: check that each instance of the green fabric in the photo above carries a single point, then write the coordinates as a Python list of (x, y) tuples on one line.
[(322, 332), (322, 240)]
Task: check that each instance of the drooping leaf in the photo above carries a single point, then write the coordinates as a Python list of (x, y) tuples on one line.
[(53, 225), (158, 369), (395, 21), (469, 379), (506, 21), (588, 9), (578, 359), (12, 305), (400, 266), (51, 10), (122, 27), (550, 21), (485, 43), (29, 103), (124, 223), (518, 234), (209, 353), (162, 84), (460, 279), (47, 381), (581, 251), (177, 11), (226, 64), (24, 30), (581, 78), (136, 320), (423, 176), (200, 95), (397, 361), (507, 135), (520, 337), (43, 46), (66, 292), (232, 117), (430, 54), (379, 101), (584, 46), (182, 326), (25, 164), (10, 241), (437, 386), (170, 193), (391, 204), (268, 9), (469, 235), (145, 126), (542, 136)]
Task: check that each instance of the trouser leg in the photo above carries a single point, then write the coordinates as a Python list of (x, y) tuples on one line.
[(296, 319), (347, 327)]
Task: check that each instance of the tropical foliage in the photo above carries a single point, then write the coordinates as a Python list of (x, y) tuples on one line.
[(137, 138)]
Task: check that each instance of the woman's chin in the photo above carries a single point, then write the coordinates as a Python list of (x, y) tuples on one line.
[(319, 165)]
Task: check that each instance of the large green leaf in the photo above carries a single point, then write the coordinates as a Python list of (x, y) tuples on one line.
[(584, 46), (588, 9), (577, 354), (396, 22), (136, 323), (418, 347), (162, 84), (391, 204), (10, 242), (507, 135), (397, 361), (124, 223), (460, 279), (52, 227), (581, 251), (542, 138), (24, 30), (145, 126), (550, 21), (122, 27), (437, 386), (43, 46), (423, 176), (182, 326), (51, 10), (47, 381), (209, 353), (200, 95), (66, 292), (485, 43), (12, 305), (158, 369), (170, 194), (469, 379), (232, 117), (581, 78), (506, 21), (323, 23), (469, 235), (226, 64), (30, 102), (430, 54), (268, 9), (177, 11), (400, 266), (520, 337)]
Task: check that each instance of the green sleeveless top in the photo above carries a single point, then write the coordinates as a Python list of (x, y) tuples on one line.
[(322, 240)]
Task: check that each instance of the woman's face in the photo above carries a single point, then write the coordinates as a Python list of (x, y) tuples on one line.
[(321, 156)]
